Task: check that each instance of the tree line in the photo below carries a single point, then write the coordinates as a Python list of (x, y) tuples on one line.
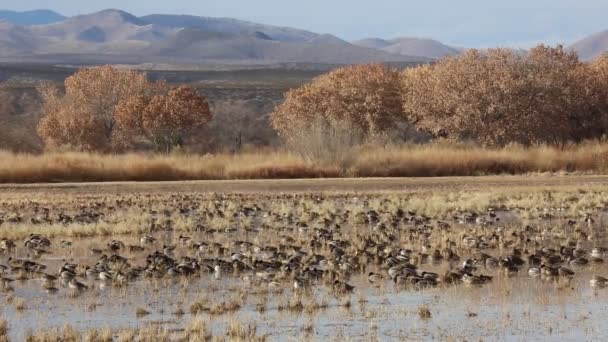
[(493, 97)]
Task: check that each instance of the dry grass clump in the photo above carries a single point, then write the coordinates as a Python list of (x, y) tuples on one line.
[(153, 333), (424, 312), (65, 334), (141, 312), (3, 330), (198, 330), (313, 306), (99, 335), (401, 161), (19, 304), (199, 306), (295, 305), (243, 332), (126, 335), (219, 308)]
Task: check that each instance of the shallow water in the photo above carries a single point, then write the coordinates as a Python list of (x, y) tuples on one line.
[(513, 308), (509, 308)]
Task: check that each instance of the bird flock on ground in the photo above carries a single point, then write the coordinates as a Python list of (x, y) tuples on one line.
[(323, 241)]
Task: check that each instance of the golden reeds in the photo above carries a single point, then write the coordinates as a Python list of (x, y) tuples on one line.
[(402, 161)]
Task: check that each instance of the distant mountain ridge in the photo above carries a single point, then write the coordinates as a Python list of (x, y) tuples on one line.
[(36, 17), (229, 25), (591, 46), (117, 36), (408, 46)]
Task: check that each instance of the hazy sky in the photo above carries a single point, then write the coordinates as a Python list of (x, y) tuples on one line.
[(470, 23)]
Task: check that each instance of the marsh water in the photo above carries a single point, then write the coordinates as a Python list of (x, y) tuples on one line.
[(512, 307)]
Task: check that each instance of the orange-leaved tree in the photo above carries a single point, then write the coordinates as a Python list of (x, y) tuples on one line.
[(82, 116), (165, 120), (364, 96), (500, 96)]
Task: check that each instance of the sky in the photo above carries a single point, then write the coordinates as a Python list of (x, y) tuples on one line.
[(465, 23)]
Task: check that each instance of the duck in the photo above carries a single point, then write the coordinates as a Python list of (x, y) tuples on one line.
[(147, 240), (7, 245), (534, 271), (374, 278), (77, 286), (578, 261), (549, 271), (300, 284), (565, 272), (598, 281), (50, 289), (342, 287), (471, 279), (105, 276), (184, 240), (48, 278), (67, 274), (273, 284)]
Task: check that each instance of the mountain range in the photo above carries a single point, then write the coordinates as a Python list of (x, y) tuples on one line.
[(115, 36), (36, 17)]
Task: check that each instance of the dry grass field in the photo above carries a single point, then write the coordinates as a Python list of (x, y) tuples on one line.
[(433, 160)]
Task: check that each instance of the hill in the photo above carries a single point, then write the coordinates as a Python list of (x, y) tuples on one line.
[(410, 47), (229, 25), (115, 36), (592, 46), (36, 17)]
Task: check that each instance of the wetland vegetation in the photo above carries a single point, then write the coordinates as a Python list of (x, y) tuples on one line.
[(421, 263)]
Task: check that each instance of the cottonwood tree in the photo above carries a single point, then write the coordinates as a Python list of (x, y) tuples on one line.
[(365, 96), (500, 96), (165, 120), (82, 116)]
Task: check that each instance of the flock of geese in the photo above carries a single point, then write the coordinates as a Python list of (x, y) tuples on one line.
[(387, 245)]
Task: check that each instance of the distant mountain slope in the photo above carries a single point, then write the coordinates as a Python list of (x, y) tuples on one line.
[(116, 36), (592, 46), (105, 26), (410, 47), (37, 17), (196, 43), (373, 43), (229, 25), (16, 40)]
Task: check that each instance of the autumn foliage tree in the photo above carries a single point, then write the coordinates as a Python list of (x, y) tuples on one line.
[(85, 117), (165, 120), (365, 96), (82, 116), (500, 96)]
